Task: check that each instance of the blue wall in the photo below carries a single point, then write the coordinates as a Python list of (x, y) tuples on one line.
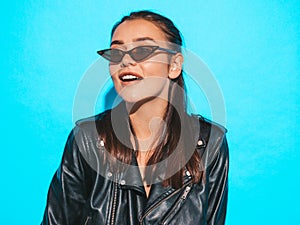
[(252, 48)]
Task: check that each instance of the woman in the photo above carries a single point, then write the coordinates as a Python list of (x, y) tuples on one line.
[(147, 161)]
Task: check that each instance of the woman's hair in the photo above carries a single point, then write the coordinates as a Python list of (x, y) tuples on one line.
[(166, 25), (178, 134)]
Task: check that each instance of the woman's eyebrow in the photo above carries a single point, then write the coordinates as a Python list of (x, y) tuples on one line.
[(119, 42), (144, 39), (116, 42)]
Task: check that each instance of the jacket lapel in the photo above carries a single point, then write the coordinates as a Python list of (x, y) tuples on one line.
[(131, 178)]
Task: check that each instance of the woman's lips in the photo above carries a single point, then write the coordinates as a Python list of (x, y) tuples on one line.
[(127, 77)]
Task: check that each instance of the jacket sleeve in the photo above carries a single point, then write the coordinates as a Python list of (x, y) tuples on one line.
[(218, 184), (67, 192)]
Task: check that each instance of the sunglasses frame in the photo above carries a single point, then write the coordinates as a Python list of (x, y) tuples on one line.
[(129, 52)]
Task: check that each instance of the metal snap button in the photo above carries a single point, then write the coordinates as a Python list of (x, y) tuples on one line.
[(188, 173), (200, 142), (122, 182)]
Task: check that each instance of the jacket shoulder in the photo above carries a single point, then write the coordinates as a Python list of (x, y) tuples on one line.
[(205, 122), (208, 132), (88, 128), (209, 125), (212, 142)]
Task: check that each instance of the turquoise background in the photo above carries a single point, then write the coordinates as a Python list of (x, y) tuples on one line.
[(252, 48)]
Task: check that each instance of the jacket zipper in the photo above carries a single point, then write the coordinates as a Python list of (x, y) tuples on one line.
[(114, 202), (158, 203), (182, 198), (87, 220)]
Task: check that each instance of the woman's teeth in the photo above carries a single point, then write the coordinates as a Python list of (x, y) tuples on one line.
[(130, 77)]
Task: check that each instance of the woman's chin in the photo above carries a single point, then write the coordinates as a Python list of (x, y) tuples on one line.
[(144, 90)]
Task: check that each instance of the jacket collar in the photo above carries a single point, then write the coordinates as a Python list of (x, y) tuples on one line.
[(131, 177)]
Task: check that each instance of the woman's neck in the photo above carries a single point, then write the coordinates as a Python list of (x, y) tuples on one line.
[(147, 118)]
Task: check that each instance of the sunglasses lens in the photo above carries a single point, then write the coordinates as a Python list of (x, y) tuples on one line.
[(113, 55), (116, 55), (142, 52), (138, 54)]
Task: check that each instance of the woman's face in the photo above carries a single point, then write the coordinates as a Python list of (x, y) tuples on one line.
[(135, 81)]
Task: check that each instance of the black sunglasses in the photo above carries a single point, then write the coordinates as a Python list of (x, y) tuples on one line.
[(138, 54)]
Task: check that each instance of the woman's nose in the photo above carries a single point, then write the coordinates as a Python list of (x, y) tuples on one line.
[(127, 60)]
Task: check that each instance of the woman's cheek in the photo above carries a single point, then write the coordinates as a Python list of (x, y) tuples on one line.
[(156, 69), (113, 69)]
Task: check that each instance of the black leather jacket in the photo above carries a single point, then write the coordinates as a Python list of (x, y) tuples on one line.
[(78, 195)]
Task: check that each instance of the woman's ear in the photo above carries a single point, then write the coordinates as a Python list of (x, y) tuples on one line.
[(176, 66)]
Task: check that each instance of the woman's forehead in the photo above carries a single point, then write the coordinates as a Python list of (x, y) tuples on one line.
[(137, 30)]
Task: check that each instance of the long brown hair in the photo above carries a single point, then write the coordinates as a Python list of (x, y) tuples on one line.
[(176, 118)]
